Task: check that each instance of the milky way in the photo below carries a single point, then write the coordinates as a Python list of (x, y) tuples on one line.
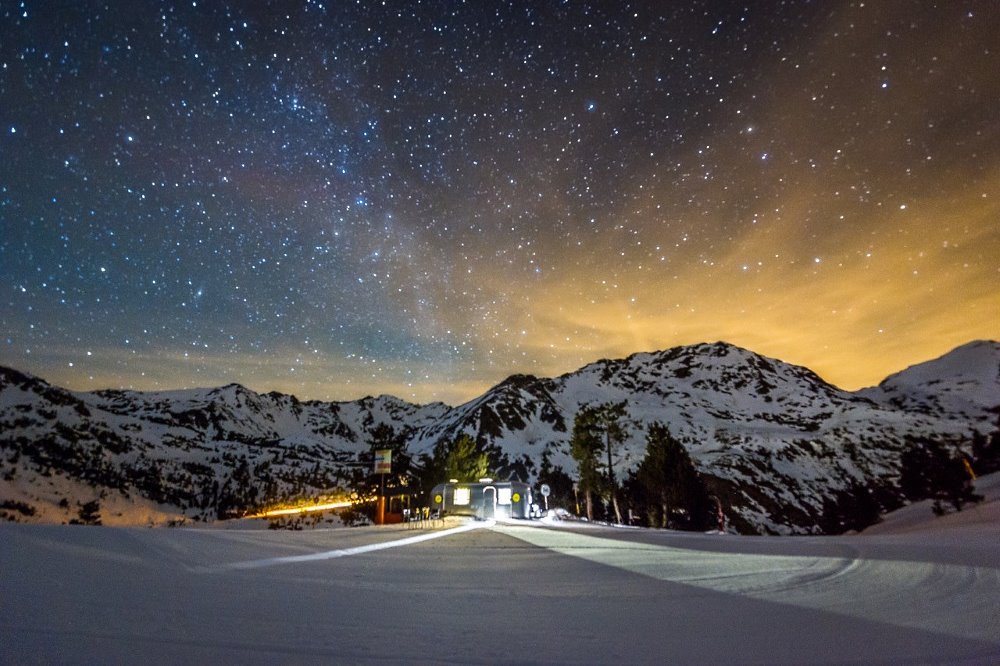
[(336, 199)]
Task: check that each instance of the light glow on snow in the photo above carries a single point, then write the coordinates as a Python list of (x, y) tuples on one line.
[(346, 552), (904, 592), (309, 508)]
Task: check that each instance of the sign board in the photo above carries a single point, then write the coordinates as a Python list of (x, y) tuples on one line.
[(383, 461), (546, 491)]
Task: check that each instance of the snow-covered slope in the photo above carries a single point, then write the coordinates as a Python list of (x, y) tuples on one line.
[(965, 381), (920, 516), (509, 593), (774, 440)]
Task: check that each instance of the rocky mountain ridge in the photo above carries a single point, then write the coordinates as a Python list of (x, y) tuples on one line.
[(773, 440)]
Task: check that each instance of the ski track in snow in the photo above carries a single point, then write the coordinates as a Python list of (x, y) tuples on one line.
[(960, 600)]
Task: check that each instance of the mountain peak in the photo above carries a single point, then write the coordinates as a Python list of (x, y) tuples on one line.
[(977, 360), (231, 387), (518, 381), (965, 380)]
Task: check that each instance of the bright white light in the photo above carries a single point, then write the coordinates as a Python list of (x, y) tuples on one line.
[(503, 495), (462, 496)]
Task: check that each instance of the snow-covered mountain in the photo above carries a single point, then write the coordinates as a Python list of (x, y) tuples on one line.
[(965, 381), (198, 453), (773, 440)]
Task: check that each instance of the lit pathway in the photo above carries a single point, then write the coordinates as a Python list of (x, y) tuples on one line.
[(958, 599)]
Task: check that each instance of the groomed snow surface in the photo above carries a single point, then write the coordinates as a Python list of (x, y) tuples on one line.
[(915, 589)]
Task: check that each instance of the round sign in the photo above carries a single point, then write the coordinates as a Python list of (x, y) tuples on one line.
[(516, 497), (545, 490), (438, 499)]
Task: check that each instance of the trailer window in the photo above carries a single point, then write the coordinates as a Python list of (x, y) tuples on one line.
[(462, 496), (503, 495)]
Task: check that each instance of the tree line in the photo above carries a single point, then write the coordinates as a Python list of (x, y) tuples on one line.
[(666, 490)]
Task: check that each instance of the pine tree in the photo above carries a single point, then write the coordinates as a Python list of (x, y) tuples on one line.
[(675, 495), (609, 423), (90, 513), (853, 508), (928, 471), (986, 452), (597, 433), (464, 460), (955, 484), (916, 463), (585, 445)]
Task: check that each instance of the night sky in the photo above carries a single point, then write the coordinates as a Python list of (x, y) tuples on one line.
[(336, 199)]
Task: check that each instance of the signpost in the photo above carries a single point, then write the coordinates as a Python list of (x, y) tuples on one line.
[(545, 493), (383, 461), (383, 466)]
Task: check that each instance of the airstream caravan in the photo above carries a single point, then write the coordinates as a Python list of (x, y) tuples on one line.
[(484, 499)]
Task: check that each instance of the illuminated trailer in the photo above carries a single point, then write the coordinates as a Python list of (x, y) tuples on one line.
[(484, 499)]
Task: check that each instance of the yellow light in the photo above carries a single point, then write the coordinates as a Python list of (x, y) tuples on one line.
[(302, 509)]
